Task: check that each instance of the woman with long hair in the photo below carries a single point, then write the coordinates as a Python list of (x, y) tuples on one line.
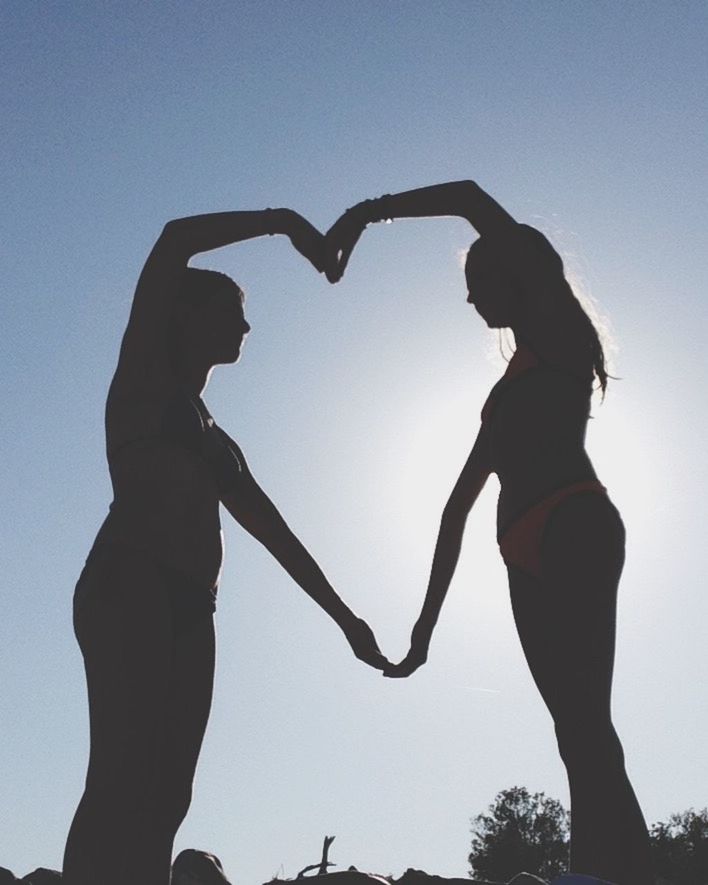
[(560, 536), (144, 604)]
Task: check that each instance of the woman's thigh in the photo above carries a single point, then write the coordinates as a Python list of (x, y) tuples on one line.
[(124, 626), (189, 700), (566, 618)]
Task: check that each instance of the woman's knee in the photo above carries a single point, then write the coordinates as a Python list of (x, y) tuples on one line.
[(589, 748), (174, 803), (117, 798)]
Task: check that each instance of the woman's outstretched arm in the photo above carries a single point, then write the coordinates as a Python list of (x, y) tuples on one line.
[(255, 512), (447, 553), (463, 199), (202, 233)]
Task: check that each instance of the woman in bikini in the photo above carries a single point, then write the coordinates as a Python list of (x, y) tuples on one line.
[(560, 536), (143, 607)]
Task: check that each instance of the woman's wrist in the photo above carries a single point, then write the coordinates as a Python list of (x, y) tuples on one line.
[(371, 211), (344, 617), (277, 221), (423, 628), (382, 208)]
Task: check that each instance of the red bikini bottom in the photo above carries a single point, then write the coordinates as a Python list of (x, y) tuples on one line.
[(520, 543)]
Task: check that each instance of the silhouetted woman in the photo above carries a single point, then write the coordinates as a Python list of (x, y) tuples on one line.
[(143, 607), (560, 536)]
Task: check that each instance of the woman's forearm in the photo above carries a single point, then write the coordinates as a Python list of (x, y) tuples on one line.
[(445, 559), (292, 555), (201, 233), (464, 199)]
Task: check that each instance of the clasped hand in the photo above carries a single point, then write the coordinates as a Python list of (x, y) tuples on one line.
[(364, 645), (330, 253)]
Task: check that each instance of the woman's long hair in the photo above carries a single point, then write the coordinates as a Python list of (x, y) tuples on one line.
[(538, 260)]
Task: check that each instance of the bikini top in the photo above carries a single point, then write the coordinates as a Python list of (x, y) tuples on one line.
[(522, 362), (187, 423)]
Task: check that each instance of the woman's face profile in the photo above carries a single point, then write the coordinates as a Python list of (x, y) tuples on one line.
[(230, 323), (491, 293), (220, 328)]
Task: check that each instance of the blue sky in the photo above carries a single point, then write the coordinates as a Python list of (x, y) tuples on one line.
[(357, 404)]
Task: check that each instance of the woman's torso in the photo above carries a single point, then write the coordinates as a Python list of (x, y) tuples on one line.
[(535, 422), (166, 494)]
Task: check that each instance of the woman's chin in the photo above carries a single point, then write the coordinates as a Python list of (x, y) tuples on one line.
[(228, 358)]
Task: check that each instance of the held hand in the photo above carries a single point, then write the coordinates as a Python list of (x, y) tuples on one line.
[(416, 657), (364, 645), (340, 241), (308, 241)]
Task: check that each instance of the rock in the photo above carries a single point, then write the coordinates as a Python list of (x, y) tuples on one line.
[(42, 876), (527, 879), (351, 876), (6, 877), (579, 879), (192, 867), (419, 877)]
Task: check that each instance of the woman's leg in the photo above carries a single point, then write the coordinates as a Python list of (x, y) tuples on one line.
[(566, 622), (123, 622), (189, 703)]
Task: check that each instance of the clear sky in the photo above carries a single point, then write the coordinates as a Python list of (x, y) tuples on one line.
[(357, 404)]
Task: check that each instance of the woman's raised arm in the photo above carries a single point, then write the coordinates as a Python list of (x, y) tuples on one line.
[(143, 357), (202, 233), (463, 199)]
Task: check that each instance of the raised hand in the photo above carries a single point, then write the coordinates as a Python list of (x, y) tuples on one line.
[(416, 657), (305, 237), (341, 239), (363, 642)]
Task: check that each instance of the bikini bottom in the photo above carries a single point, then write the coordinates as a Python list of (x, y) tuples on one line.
[(520, 542), (115, 568)]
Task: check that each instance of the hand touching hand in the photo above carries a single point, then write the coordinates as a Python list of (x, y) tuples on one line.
[(341, 239), (363, 643), (416, 657), (308, 241)]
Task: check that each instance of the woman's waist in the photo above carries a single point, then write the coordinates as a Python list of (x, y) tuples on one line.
[(154, 471), (175, 508), (194, 550)]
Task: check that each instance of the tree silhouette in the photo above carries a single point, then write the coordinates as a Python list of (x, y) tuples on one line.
[(520, 833), (680, 848)]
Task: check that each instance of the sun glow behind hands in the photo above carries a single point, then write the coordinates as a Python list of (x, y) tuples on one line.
[(435, 428)]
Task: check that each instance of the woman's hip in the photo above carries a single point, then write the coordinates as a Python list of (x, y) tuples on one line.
[(125, 589)]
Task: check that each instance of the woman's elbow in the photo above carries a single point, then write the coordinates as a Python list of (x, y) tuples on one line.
[(173, 230), (174, 238), (454, 513)]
